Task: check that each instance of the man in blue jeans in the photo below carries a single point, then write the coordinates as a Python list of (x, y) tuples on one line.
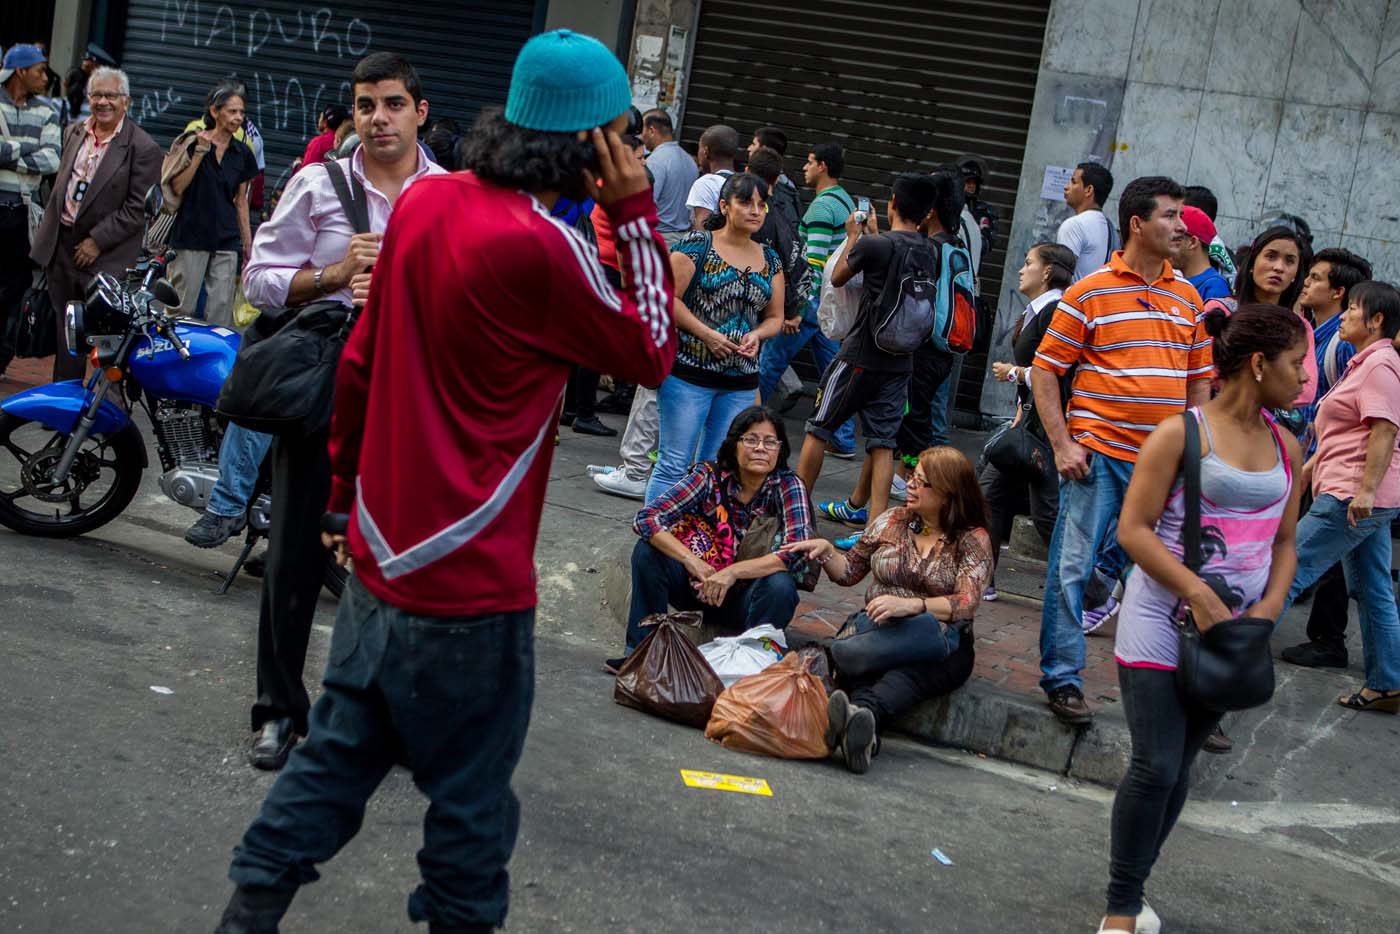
[(240, 458), (1134, 331), (824, 218)]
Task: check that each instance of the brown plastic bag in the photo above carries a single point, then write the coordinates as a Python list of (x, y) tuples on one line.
[(781, 711), (667, 675)]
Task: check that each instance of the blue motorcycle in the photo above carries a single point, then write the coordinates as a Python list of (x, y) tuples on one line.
[(71, 457)]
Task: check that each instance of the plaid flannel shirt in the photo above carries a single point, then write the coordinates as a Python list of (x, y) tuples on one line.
[(782, 494), (30, 150)]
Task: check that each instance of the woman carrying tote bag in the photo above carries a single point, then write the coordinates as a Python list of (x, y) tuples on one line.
[(1248, 509)]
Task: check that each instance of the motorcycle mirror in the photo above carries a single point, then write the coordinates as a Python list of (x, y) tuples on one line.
[(165, 293), (155, 200)]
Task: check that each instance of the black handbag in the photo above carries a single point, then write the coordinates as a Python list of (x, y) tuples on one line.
[(1229, 666), (36, 334), (283, 379), (1019, 449)]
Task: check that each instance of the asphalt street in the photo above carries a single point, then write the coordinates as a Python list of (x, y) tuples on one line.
[(120, 803)]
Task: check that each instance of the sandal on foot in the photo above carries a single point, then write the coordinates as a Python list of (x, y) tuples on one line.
[(1387, 701)]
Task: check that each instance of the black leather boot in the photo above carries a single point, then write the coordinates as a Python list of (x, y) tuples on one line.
[(254, 911)]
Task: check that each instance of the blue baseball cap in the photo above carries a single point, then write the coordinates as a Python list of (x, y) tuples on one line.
[(23, 56)]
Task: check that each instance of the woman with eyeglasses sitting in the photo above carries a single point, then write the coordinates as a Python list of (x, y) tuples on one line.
[(931, 560), (692, 532)]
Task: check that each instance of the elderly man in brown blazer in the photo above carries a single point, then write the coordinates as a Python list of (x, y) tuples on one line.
[(94, 218)]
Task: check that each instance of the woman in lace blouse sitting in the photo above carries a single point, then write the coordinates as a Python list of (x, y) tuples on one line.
[(931, 560)]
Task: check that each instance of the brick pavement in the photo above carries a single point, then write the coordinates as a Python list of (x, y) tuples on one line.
[(21, 374), (1008, 641)]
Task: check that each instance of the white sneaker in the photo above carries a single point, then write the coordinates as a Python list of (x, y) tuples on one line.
[(617, 483), (1147, 923), (596, 469), (899, 489)]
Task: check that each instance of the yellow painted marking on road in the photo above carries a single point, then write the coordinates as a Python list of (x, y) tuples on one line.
[(719, 782)]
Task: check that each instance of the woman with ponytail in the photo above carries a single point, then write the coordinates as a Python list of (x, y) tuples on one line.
[(1249, 507), (729, 300)]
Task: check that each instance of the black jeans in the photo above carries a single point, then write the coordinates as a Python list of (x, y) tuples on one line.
[(1167, 734), (659, 582), (1327, 620), (932, 368), (16, 275), (448, 698), (296, 561), (581, 393), (890, 694), (1009, 496)]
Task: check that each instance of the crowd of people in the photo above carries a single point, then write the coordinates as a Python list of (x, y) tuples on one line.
[(693, 281)]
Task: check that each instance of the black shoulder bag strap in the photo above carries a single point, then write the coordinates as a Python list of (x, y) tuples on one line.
[(1191, 494), (355, 205)]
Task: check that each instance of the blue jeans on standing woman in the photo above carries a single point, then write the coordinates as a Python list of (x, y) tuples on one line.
[(1087, 521), (694, 420), (777, 355), (1324, 537)]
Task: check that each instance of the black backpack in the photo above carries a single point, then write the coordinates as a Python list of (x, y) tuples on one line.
[(906, 311), (798, 277)]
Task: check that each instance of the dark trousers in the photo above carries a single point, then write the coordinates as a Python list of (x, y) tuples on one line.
[(296, 561), (449, 698), (890, 694), (66, 283), (1012, 495), (659, 582), (1327, 620), (1167, 734), (581, 393), (932, 368), (16, 275)]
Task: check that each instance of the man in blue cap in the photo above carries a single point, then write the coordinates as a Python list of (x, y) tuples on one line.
[(446, 398), (30, 142)]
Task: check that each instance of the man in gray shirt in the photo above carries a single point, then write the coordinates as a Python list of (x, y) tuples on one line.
[(674, 172)]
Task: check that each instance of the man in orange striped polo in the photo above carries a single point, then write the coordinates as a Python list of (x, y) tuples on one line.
[(1133, 332)]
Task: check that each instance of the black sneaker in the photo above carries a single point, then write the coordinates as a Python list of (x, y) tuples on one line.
[(858, 745), (211, 531), (592, 426), (613, 665), (272, 744), (1315, 655), (1068, 704), (838, 714), (254, 911)]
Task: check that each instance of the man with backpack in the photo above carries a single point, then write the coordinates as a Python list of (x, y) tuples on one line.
[(780, 231), (870, 375)]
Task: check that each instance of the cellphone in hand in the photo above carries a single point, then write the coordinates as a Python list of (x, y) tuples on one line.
[(863, 206)]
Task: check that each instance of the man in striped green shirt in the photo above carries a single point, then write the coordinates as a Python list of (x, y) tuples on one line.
[(822, 228)]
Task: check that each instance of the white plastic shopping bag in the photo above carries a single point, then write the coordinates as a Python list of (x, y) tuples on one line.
[(735, 657), (838, 308)]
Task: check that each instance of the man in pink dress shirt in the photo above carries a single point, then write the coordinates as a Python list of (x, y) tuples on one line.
[(309, 251)]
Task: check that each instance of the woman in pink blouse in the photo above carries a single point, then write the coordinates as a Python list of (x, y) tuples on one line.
[(931, 560)]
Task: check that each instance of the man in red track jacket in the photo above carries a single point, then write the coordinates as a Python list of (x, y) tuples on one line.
[(447, 397)]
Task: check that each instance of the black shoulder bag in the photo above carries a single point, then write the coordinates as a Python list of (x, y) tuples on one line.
[(1229, 666), (283, 379)]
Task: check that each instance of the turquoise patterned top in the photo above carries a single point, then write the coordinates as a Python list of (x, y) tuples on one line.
[(731, 301)]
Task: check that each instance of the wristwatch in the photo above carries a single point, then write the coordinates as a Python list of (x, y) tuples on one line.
[(316, 280)]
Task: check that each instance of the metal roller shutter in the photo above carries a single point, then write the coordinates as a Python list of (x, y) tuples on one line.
[(296, 59), (902, 84)]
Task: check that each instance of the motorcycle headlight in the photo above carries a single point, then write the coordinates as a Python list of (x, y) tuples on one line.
[(73, 327)]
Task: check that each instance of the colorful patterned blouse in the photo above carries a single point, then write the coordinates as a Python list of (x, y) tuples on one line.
[(958, 570), (731, 301)]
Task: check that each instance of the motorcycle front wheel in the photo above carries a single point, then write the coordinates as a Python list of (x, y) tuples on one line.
[(105, 476)]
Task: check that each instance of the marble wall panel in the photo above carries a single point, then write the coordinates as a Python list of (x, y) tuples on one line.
[(1089, 37), (1155, 132), (1252, 46), (1335, 51), (1383, 255), (1313, 163), (1169, 39), (1233, 150), (1385, 86), (1374, 207)]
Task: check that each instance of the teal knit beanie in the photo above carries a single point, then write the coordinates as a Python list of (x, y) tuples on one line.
[(564, 82)]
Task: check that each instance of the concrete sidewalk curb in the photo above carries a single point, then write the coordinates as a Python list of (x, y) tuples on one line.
[(1002, 725)]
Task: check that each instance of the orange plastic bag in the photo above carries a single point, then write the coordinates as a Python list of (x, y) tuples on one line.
[(667, 675), (781, 711)]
